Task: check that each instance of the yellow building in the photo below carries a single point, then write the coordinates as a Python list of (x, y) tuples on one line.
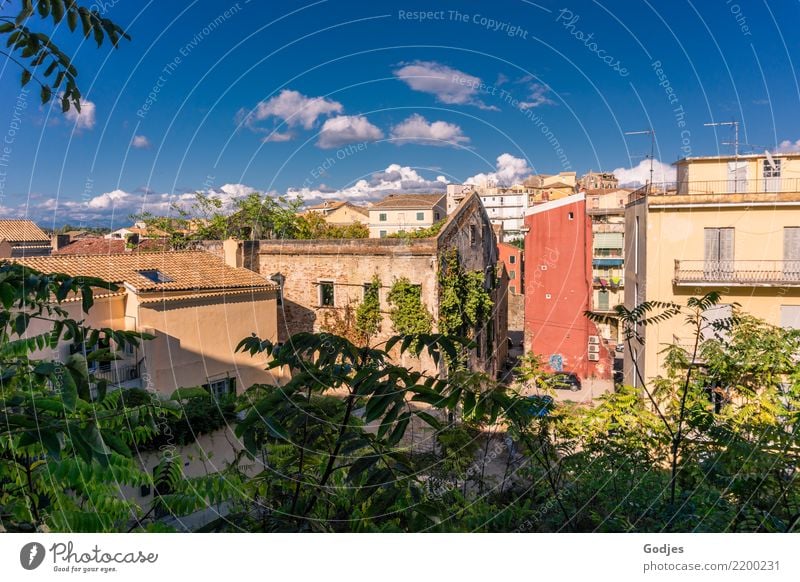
[(730, 224), (341, 213), (405, 213), (198, 308)]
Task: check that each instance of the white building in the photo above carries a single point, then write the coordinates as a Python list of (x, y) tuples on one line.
[(505, 206)]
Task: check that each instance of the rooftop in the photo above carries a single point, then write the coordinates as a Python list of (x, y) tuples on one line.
[(728, 157), (401, 201), (22, 231), (109, 246), (184, 270)]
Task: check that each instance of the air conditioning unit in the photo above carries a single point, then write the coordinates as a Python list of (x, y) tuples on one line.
[(594, 349), (594, 357), (594, 339)]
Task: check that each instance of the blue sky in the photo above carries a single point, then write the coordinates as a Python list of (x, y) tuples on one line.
[(336, 99)]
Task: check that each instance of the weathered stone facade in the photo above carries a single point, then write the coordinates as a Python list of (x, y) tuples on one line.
[(301, 266)]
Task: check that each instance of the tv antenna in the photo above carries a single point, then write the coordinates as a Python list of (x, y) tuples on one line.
[(735, 142), (652, 133)]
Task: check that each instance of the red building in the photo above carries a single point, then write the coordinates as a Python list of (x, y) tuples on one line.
[(511, 257), (558, 289)]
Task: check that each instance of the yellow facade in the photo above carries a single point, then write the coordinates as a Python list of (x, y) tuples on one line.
[(669, 256)]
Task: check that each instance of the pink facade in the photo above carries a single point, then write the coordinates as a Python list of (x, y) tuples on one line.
[(511, 257), (558, 289)]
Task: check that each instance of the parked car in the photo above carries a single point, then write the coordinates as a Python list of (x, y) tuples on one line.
[(564, 381), (620, 348)]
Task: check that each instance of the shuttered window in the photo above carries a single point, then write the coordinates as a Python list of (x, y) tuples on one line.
[(718, 253), (608, 240), (790, 316), (602, 300), (791, 252)]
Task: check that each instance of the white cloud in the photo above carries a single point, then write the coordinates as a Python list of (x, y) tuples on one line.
[(417, 129), (640, 174), (537, 95), (277, 136), (291, 107), (140, 142), (509, 170), (788, 146), (395, 178), (85, 119), (449, 85), (345, 129)]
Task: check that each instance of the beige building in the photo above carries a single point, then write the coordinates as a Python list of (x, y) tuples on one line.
[(730, 224), (22, 238), (341, 213), (405, 213), (321, 279), (545, 187), (197, 307), (606, 208)]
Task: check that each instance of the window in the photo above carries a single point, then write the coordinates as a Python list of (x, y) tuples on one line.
[(279, 279), (718, 253), (326, 297), (512, 289), (420, 216), (790, 316), (222, 387), (382, 234), (512, 274), (772, 175), (602, 300), (436, 216), (382, 217), (370, 291), (571, 215), (791, 252), (156, 276), (512, 259), (473, 234)]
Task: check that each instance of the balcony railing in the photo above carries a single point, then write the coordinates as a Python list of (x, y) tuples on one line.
[(738, 273), (728, 186), (117, 375)]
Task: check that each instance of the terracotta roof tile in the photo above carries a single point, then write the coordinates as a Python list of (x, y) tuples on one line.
[(109, 246), (408, 201), (184, 270), (21, 231)]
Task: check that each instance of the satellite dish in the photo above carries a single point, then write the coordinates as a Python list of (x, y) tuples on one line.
[(770, 160)]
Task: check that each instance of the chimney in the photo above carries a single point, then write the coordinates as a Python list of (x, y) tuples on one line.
[(232, 252), (59, 241)]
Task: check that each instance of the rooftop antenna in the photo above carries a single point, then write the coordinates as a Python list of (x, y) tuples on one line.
[(651, 132), (734, 143)]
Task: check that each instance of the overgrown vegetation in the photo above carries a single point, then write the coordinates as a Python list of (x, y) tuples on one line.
[(408, 313), (464, 301), (354, 442), (66, 441)]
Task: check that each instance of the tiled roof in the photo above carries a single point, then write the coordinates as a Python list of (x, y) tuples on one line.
[(409, 201), (21, 231), (557, 185), (110, 246), (187, 270), (328, 205)]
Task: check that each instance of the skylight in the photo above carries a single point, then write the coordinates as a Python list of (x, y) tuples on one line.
[(156, 276)]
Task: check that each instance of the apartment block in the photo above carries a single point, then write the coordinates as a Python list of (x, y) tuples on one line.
[(730, 224)]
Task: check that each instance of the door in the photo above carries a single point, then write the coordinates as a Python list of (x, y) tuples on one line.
[(772, 175), (718, 259), (791, 253), (737, 177)]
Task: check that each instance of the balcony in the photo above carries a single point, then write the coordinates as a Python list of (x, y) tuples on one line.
[(766, 189), (119, 374), (737, 273)]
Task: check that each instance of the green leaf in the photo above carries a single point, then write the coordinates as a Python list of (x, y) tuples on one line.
[(46, 94), (26, 77)]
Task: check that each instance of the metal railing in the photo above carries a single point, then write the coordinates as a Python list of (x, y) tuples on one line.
[(756, 273), (727, 186), (117, 374)]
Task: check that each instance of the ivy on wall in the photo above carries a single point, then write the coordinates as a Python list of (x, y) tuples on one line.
[(368, 313), (464, 301), (408, 313)]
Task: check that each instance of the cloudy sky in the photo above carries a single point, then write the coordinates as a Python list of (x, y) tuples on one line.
[(334, 99)]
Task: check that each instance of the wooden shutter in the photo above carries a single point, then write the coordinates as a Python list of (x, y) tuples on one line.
[(791, 252)]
